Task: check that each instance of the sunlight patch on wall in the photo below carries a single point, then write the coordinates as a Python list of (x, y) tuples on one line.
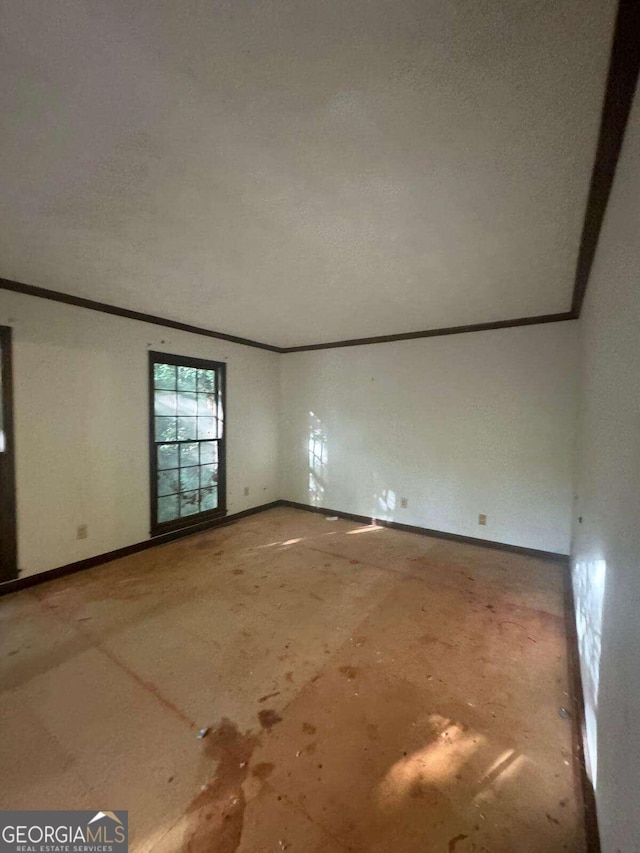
[(318, 458), (589, 580), (385, 503)]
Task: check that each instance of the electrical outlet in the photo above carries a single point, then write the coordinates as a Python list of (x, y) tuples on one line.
[(82, 532), (482, 519), (404, 502), (246, 491)]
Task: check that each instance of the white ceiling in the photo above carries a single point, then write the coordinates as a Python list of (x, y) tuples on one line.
[(300, 171)]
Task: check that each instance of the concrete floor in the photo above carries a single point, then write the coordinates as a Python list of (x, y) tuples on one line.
[(367, 690)]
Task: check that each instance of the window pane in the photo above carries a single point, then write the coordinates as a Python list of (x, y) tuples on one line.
[(186, 403), (208, 499), (187, 378), (189, 479), (166, 429), (208, 475), (208, 452), (207, 405), (164, 402), (168, 508), (187, 429), (187, 414), (206, 427), (164, 376), (167, 456), (189, 503), (168, 482), (188, 455), (206, 380)]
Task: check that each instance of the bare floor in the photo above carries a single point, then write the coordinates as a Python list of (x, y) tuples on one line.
[(365, 689)]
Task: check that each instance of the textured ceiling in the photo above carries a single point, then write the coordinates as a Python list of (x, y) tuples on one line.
[(304, 171)]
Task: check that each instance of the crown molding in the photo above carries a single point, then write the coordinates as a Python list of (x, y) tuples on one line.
[(618, 98), (104, 308), (435, 333)]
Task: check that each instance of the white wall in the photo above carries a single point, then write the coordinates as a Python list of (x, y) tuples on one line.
[(459, 425), (81, 419), (606, 549)]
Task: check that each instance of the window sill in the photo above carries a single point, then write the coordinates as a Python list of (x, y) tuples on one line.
[(201, 522)]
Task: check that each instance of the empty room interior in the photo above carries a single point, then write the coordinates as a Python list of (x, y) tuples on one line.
[(320, 426)]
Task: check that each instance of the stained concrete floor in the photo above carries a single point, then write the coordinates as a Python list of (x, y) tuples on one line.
[(367, 690)]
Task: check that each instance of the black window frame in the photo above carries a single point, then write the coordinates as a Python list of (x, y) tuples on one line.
[(201, 518)]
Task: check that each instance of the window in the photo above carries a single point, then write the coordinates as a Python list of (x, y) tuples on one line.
[(187, 441)]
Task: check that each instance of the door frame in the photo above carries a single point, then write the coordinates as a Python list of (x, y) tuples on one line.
[(8, 538)]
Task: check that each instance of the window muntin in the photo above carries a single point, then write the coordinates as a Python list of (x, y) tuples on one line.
[(187, 441)]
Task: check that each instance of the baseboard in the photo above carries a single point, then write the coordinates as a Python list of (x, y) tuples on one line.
[(578, 718), (99, 559), (438, 534)]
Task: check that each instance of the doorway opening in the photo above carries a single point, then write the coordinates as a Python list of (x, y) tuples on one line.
[(8, 547)]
